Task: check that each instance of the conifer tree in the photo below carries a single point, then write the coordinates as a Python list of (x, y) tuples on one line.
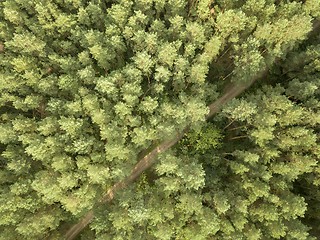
[(95, 92)]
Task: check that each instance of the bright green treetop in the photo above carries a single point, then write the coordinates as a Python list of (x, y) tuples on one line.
[(88, 87)]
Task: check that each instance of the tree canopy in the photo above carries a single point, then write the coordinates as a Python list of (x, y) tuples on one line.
[(199, 119)]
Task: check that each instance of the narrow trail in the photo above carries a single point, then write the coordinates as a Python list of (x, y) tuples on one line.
[(148, 160)]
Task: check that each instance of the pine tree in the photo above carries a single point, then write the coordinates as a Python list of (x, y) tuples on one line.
[(95, 92)]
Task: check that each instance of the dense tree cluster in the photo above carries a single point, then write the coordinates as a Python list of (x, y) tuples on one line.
[(89, 88)]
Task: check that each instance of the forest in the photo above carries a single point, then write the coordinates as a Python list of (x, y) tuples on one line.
[(159, 119)]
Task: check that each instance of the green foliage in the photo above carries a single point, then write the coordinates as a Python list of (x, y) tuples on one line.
[(202, 140), (87, 86)]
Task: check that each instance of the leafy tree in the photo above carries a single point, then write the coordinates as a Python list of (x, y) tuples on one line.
[(94, 92)]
